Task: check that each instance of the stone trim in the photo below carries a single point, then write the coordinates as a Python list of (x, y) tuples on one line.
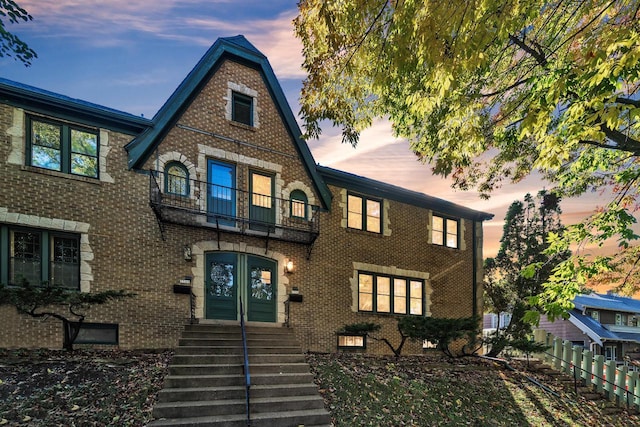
[(290, 188), (198, 251), (205, 152), (391, 271), (81, 228), (17, 132), (245, 90), (174, 156), (462, 244), (344, 222)]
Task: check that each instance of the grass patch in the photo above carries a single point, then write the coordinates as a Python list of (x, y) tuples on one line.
[(364, 390)]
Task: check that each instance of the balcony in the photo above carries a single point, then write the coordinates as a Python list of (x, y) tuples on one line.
[(232, 210)]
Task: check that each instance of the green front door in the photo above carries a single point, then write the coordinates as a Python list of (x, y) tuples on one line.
[(221, 286), (261, 289), (230, 276)]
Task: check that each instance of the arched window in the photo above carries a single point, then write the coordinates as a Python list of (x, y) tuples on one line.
[(298, 204), (176, 179)]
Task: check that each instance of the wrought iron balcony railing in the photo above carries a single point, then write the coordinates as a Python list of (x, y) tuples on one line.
[(202, 204)]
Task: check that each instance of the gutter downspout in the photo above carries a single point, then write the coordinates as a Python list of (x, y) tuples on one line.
[(475, 271)]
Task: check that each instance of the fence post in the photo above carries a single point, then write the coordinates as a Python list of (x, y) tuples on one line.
[(576, 360), (632, 385), (587, 366), (566, 357), (610, 378), (620, 390), (557, 353), (598, 372), (636, 392)]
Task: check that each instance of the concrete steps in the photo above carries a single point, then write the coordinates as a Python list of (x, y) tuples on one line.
[(205, 385)]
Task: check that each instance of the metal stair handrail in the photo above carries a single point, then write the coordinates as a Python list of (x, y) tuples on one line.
[(247, 375)]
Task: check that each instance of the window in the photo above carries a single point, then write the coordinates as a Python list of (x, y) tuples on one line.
[(62, 147), (242, 109), (364, 214), (387, 294), (298, 204), (428, 345), (444, 231), (39, 256), (610, 352), (621, 319), (176, 179), (98, 333), (347, 342), (595, 315)]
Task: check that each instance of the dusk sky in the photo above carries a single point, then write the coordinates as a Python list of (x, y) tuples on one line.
[(131, 55)]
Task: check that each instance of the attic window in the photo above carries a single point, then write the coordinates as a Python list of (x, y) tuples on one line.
[(242, 109)]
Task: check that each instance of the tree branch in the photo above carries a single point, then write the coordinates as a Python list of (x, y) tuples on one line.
[(538, 55)]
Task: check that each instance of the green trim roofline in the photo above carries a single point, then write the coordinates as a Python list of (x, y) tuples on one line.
[(240, 50), (387, 191), (49, 103)]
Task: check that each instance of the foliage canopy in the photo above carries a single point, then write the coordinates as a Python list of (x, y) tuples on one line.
[(10, 44), (523, 243), (488, 91)]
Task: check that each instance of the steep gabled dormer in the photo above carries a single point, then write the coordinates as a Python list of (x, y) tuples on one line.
[(226, 152)]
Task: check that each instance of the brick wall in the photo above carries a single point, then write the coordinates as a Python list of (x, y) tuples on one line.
[(129, 252)]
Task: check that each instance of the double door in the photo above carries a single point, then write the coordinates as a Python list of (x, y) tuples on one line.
[(230, 277)]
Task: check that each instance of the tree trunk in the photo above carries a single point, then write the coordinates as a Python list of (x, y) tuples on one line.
[(70, 331)]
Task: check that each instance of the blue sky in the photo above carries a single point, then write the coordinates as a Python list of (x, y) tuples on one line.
[(131, 55)]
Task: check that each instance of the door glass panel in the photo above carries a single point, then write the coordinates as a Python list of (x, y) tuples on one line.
[(262, 210), (221, 193), (221, 284), (261, 287), (261, 191)]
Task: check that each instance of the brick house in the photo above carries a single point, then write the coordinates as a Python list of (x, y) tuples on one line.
[(219, 195)]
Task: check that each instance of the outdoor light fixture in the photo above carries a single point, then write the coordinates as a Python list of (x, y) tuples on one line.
[(289, 267), (186, 252)]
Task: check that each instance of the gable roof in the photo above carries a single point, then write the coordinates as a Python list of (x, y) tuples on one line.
[(611, 302), (600, 333), (76, 110), (239, 49), (383, 190)]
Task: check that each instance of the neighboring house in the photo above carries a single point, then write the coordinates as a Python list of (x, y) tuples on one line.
[(607, 324), (217, 193)]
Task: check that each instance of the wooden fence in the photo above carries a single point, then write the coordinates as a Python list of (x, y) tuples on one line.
[(605, 376)]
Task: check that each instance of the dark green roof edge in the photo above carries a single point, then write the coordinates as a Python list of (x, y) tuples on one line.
[(380, 189), (240, 49), (46, 102)]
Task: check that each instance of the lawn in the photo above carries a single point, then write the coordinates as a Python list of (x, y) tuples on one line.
[(435, 391), (119, 388)]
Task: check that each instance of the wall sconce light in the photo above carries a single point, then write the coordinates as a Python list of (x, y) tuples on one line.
[(289, 267), (186, 252)]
